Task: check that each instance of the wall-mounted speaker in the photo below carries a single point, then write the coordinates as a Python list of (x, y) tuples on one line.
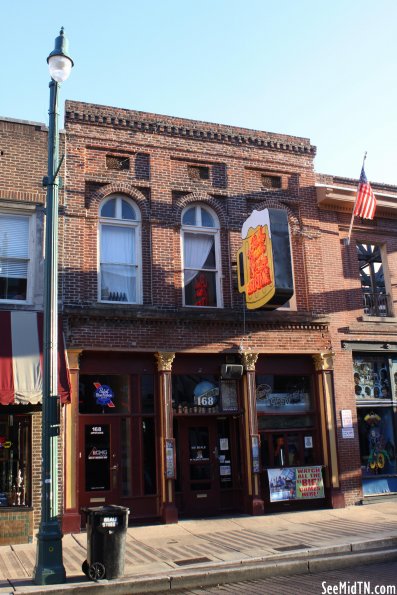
[(231, 371)]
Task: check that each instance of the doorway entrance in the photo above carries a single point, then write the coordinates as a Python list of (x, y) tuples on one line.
[(102, 464), (207, 456)]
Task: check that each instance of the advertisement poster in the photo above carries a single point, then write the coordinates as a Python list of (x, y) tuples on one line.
[(309, 483), (295, 483), (170, 471), (97, 457), (256, 467)]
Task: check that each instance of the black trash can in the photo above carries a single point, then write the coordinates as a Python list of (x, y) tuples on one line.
[(106, 534)]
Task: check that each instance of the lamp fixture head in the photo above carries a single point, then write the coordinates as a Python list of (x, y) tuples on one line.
[(59, 62)]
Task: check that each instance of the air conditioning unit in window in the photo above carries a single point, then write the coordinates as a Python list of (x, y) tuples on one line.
[(231, 371)]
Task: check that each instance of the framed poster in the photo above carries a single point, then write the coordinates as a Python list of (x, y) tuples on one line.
[(229, 395), (170, 458), (256, 467)]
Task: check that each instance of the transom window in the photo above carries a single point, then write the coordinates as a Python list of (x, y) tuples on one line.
[(14, 257), (201, 257), (120, 251)]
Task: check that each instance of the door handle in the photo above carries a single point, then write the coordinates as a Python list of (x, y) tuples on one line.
[(115, 467)]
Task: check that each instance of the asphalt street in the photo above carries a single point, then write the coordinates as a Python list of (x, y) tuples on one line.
[(374, 579)]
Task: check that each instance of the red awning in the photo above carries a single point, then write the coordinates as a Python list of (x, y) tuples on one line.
[(21, 359)]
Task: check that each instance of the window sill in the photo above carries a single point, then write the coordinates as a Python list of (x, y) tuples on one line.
[(385, 319), (18, 508), (15, 302), (118, 303)]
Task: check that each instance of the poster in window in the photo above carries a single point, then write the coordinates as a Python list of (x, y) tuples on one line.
[(97, 457), (170, 462), (295, 483), (255, 453), (229, 395)]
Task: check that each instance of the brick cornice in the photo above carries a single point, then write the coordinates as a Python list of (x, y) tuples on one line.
[(275, 320), (102, 116)]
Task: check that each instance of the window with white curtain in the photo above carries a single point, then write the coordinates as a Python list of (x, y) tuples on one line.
[(201, 257), (120, 251), (14, 256)]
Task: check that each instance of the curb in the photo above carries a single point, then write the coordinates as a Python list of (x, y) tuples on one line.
[(305, 562)]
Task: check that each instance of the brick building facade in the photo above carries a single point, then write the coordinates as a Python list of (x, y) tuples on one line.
[(190, 186), (183, 399), (360, 291)]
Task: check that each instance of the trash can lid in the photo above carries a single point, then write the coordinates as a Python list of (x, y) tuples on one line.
[(106, 509)]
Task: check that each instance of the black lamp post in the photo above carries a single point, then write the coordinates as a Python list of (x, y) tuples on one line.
[(49, 569)]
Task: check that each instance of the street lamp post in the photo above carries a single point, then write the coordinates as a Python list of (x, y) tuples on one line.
[(49, 569)]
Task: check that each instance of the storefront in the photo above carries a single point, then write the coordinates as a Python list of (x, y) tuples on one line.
[(289, 427), (178, 435), (375, 389), (20, 422), (127, 452), (118, 428)]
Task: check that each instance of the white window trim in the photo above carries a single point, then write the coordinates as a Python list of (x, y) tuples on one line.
[(20, 212), (137, 225), (215, 232)]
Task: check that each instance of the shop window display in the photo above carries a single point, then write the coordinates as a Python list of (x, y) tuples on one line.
[(377, 442), (15, 463), (376, 420), (371, 377), (286, 420)]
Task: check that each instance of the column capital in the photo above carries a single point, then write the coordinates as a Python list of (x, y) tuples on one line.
[(249, 360), (74, 358), (324, 361), (164, 361)]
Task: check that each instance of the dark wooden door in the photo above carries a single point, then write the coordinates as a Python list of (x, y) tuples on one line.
[(199, 466)]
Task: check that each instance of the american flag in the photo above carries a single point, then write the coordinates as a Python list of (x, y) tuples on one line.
[(365, 202)]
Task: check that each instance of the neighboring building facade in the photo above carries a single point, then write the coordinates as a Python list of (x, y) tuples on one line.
[(360, 280), (154, 211), (23, 162)]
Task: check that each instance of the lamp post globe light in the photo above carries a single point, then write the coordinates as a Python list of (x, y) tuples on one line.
[(49, 568)]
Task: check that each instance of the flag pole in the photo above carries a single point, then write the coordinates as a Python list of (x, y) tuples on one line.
[(354, 206)]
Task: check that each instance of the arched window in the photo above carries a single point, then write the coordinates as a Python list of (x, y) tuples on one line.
[(120, 251), (201, 257)]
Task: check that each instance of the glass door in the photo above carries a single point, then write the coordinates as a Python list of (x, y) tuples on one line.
[(103, 479)]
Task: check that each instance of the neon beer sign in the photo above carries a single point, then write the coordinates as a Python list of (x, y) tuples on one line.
[(264, 261)]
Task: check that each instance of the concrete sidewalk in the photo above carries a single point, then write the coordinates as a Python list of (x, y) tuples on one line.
[(212, 551)]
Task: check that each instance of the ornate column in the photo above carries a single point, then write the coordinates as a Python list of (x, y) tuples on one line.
[(324, 364), (255, 504), (169, 512), (71, 520)]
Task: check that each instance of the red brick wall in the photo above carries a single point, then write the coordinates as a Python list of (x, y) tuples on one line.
[(23, 164)]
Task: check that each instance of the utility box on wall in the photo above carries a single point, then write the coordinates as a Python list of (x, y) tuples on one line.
[(231, 371)]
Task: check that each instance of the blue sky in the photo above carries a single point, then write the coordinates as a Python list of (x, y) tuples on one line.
[(321, 69)]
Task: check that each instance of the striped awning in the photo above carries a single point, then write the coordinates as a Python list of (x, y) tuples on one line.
[(21, 359)]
